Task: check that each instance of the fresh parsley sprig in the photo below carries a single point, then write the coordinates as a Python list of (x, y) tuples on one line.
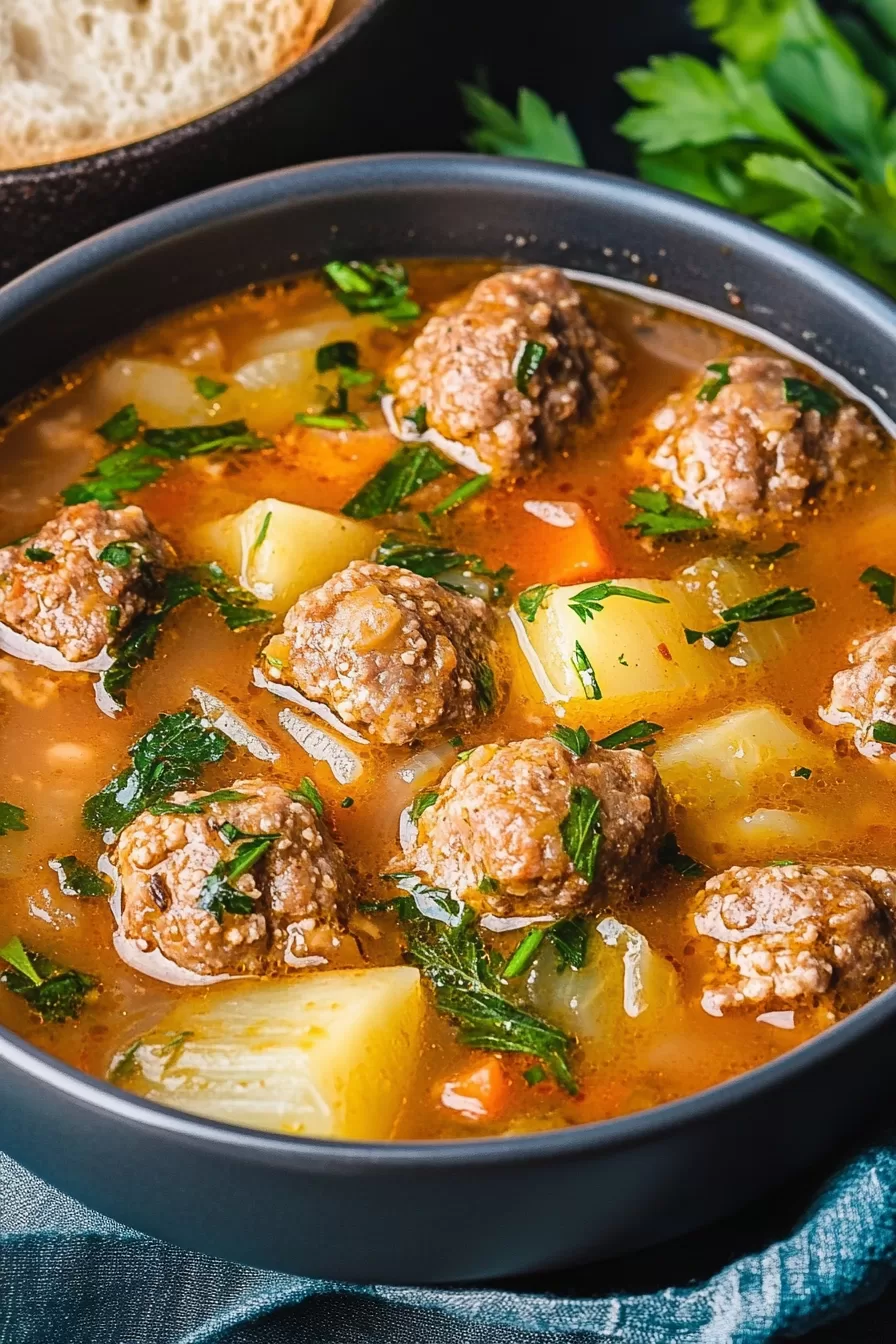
[(56, 993), (413, 466), (882, 585), (588, 601), (535, 132), (658, 515), (12, 818), (439, 562), (79, 879)]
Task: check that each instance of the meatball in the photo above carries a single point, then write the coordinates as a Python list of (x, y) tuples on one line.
[(299, 889), (747, 450), (59, 588), (865, 693), (786, 934), (495, 837), (464, 368), (391, 652)]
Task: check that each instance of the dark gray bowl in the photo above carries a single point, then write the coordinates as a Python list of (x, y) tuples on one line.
[(431, 1212)]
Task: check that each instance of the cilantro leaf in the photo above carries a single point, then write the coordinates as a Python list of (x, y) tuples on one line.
[(439, 562), (54, 992), (590, 600), (882, 585), (12, 818), (771, 606), (122, 426), (336, 355), (659, 515), (79, 879), (575, 740), (711, 389), (413, 466), (570, 941), (307, 792), (39, 555), (531, 600), (236, 605), (721, 635), (196, 440), (637, 735), (425, 799), (810, 397), (218, 894), (172, 753), (535, 132), (209, 388), (198, 805), (138, 645), (580, 830)]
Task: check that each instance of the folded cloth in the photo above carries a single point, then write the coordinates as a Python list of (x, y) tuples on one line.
[(71, 1276)]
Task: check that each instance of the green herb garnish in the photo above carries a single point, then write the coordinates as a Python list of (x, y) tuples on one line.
[(79, 879), (658, 515), (534, 1075), (336, 355), (637, 735), (38, 554), (882, 731), (486, 689), (417, 418), (54, 992), (12, 818), (172, 754), (363, 288), (263, 530), (198, 805), (122, 426), (582, 665), (683, 864), (770, 557), (780, 602), (528, 362), (196, 440), (713, 386), (488, 885), (218, 895), (802, 772), (118, 554), (580, 830), (569, 938), (810, 397), (720, 635), (420, 900), (575, 740), (307, 792), (138, 644), (531, 600), (347, 802), (535, 132), (525, 952), (413, 466), (590, 600), (882, 585), (423, 800), (438, 562), (235, 604), (330, 420), (461, 494), (209, 388)]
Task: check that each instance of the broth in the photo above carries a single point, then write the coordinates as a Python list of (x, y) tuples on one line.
[(57, 749)]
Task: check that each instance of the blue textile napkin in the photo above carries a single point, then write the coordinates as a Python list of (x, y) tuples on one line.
[(74, 1277)]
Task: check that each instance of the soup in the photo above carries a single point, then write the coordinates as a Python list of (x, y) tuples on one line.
[(442, 701)]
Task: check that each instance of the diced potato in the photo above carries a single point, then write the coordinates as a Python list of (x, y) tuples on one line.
[(725, 583), (295, 549), (622, 981), (773, 830), (330, 1054), (163, 394), (726, 760)]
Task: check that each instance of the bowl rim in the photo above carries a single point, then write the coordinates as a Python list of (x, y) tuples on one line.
[(324, 44), (338, 178)]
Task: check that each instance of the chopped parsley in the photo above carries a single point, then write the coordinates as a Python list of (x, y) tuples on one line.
[(720, 635), (218, 895), (12, 818), (439, 562), (488, 885), (382, 288), (683, 864), (637, 735), (307, 792), (420, 900), (882, 731), (582, 665), (466, 491), (413, 466), (658, 515), (209, 388), (486, 689), (347, 802), (38, 554), (119, 554), (196, 440), (330, 420), (569, 938), (54, 992), (770, 557), (810, 397), (336, 355), (263, 530), (534, 1075), (235, 604), (528, 362), (773, 606), (417, 418), (590, 600), (168, 1051), (575, 740), (531, 600), (580, 830), (882, 585), (713, 386), (198, 805), (423, 800), (121, 427), (138, 645), (79, 879), (525, 952), (802, 772), (171, 754)]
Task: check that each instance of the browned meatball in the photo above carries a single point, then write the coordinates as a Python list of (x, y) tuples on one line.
[(299, 890), (495, 837), (787, 934), (865, 693), (391, 652), (463, 367), (56, 590), (747, 450)]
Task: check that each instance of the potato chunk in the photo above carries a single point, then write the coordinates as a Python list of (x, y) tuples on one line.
[(280, 550), (330, 1054)]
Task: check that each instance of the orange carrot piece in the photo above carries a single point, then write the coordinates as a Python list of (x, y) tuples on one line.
[(481, 1094), (569, 545)]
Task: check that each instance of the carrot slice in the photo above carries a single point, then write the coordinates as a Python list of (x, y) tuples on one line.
[(565, 543), (481, 1094)]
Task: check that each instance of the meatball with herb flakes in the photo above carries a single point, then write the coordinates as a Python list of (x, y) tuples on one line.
[(206, 890), (83, 577), (506, 372), (864, 695), (530, 829), (786, 934), (390, 652), (754, 438)]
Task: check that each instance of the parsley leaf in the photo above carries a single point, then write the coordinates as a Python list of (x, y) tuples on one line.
[(307, 792), (198, 805), (637, 735), (802, 772), (575, 740), (424, 800), (121, 427), (721, 635), (582, 665), (336, 355), (79, 879), (119, 554), (461, 493), (570, 941), (882, 585), (413, 466), (882, 731), (711, 389), (527, 364), (196, 440), (171, 754), (54, 992), (39, 555), (12, 818), (771, 606), (218, 895), (236, 605), (439, 562), (659, 515), (771, 557), (531, 599), (580, 830), (535, 132), (363, 288), (810, 397), (138, 645), (209, 388), (590, 600), (420, 900)]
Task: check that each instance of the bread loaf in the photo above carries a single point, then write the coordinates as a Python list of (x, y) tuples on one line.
[(77, 76)]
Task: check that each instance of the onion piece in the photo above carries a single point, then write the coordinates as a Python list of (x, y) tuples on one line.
[(313, 706), (497, 924), (320, 745), (553, 512), (153, 963), (460, 453), (545, 685), (44, 655), (782, 1018), (429, 761), (231, 725)]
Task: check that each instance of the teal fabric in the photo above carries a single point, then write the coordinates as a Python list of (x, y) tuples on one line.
[(73, 1277)]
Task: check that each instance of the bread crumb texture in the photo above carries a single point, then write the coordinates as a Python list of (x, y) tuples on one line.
[(78, 76)]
